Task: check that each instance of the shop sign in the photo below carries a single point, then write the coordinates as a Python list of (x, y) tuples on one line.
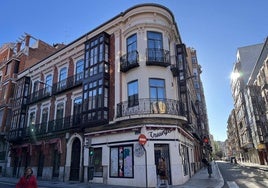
[(159, 132)]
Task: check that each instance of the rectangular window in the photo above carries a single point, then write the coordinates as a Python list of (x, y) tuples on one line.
[(77, 110), (157, 89), (59, 116), (133, 94), (132, 49), (63, 78), (48, 84), (31, 119), (121, 162), (44, 119), (155, 46), (35, 89)]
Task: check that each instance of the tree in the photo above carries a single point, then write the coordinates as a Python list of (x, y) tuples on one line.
[(217, 152)]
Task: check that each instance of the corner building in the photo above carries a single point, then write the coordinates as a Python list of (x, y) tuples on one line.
[(79, 113)]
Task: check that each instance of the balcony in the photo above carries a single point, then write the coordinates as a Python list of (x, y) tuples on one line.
[(158, 57), (57, 88), (43, 129), (175, 70), (68, 83), (149, 106), (129, 61), (16, 135)]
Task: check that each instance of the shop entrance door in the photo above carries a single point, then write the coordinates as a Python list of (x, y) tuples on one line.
[(162, 150)]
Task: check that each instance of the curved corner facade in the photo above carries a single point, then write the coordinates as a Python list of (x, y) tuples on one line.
[(79, 114)]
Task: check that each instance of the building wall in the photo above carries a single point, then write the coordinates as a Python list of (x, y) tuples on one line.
[(170, 136)]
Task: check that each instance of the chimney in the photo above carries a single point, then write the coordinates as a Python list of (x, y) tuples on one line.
[(18, 46), (27, 40)]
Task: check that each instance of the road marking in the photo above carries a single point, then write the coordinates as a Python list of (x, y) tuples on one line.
[(232, 184)]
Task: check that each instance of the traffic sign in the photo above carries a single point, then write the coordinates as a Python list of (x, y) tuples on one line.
[(142, 139)]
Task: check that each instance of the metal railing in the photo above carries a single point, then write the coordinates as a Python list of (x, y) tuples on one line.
[(58, 87), (149, 106), (57, 125), (129, 61), (157, 56)]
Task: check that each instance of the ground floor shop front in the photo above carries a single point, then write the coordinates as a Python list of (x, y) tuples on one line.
[(115, 157), (120, 158)]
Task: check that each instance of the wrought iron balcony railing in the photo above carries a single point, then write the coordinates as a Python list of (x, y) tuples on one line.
[(129, 61), (67, 123), (159, 57), (150, 106), (58, 87)]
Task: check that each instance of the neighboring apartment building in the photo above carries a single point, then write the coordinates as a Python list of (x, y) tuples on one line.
[(257, 106), (198, 104), (233, 141), (108, 105), (249, 94), (14, 58)]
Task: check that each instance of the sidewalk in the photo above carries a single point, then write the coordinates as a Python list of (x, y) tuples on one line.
[(254, 165), (201, 179), (198, 180)]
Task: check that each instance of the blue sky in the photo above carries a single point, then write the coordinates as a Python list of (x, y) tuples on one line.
[(215, 28)]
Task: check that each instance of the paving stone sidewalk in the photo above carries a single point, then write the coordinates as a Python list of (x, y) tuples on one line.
[(198, 180)]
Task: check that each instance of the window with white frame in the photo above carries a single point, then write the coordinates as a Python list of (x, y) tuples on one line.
[(63, 77), (79, 70), (44, 118), (35, 89), (77, 110), (32, 119), (48, 84), (60, 115)]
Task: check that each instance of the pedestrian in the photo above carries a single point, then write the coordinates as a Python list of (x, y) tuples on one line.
[(162, 172), (28, 180), (208, 165)]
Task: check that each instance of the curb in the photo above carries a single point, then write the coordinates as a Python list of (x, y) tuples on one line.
[(221, 184)]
